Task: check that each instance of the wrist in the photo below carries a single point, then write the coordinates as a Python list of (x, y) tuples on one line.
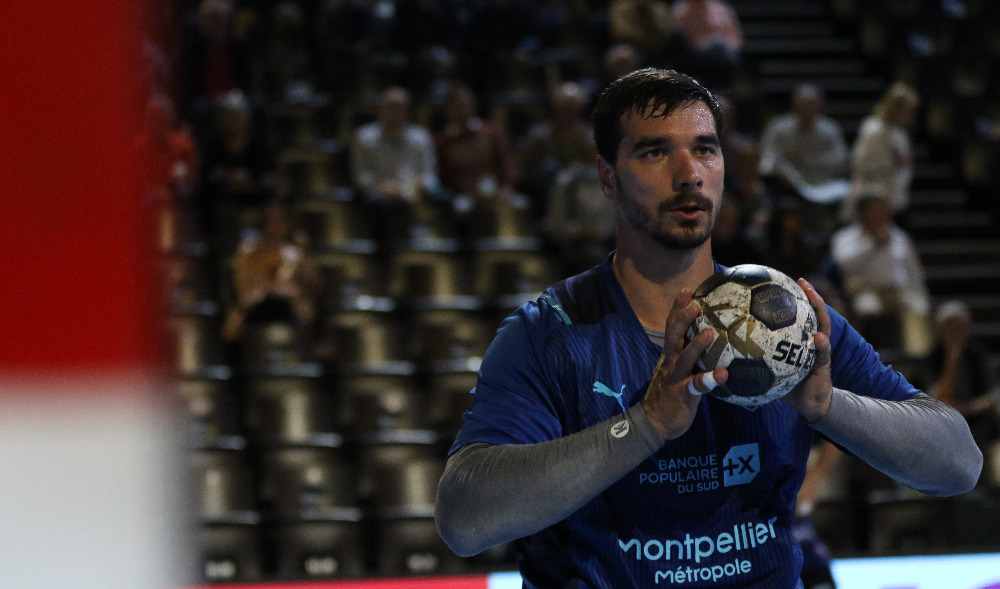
[(649, 408), (815, 412), (814, 406)]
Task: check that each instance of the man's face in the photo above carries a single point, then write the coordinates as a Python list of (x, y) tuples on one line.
[(876, 216), (394, 110), (668, 179), (806, 109)]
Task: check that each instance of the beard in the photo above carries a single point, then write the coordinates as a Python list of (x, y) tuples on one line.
[(673, 235)]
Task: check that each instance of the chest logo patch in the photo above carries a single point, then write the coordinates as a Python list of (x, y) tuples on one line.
[(740, 465)]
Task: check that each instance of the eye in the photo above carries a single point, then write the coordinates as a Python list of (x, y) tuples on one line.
[(706, 149), (654, 152)]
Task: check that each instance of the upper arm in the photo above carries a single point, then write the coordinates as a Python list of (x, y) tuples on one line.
[(513, 401), (858, 368)]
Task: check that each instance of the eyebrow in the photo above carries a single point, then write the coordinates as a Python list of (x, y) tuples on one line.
[(708, 139), (660, 141)]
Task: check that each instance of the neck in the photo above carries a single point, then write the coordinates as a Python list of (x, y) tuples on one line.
[(653, 276), (392, 131)]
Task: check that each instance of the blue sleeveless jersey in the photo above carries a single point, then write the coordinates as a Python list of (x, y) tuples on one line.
[(712, 508)]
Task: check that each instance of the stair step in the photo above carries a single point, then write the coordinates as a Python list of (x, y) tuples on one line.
[(944, 219), (848, 107), (962, 271), (748, 10), (798, 46), (959, 279), (984, 307), (944, 224), (986, 331), (930, 174), (952, 251), (847, 66), (939, 198), (872, 85), (787, 28)]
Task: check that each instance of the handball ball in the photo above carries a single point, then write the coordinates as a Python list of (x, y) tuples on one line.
[(764, 328)]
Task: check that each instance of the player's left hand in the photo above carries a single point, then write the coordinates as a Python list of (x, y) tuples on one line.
[(812, 397)]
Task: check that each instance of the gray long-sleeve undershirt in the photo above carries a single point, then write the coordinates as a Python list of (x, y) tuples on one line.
[(921, 442), (494, 494)]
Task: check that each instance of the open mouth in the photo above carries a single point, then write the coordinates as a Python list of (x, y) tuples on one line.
[(687, 209), (689, 206)]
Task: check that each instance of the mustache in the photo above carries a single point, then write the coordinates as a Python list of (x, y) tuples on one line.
[(688, 199)]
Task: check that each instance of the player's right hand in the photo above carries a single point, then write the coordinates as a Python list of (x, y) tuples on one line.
[(674, 392)]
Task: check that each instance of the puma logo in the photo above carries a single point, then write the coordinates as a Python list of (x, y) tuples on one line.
[(600, 387)]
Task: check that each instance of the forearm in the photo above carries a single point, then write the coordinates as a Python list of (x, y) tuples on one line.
[(489, 495), (920, 442)]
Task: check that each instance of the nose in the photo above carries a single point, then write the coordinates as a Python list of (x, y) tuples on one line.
[(686, 172)]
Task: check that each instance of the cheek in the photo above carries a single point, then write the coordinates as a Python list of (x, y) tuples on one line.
[(716, 169)]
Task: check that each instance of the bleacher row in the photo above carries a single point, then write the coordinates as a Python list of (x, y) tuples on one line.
[(316, 452)]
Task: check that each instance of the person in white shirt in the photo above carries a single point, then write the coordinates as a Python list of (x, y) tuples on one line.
[(805, 151), (394, 167), (392, 158), (882, 156), (883, 274)]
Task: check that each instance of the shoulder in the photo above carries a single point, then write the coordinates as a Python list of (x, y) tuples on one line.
[(828, 125), (416, 133), (872, 126), (561, 310), (846, 235), (582, 299), (780, 123), (367, 133)]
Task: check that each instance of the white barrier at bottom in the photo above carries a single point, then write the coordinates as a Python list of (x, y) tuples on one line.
[(954, 571)]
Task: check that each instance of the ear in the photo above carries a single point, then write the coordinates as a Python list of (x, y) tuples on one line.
[(606, 175)]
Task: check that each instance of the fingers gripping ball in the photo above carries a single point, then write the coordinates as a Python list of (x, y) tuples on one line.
[(764, 327)]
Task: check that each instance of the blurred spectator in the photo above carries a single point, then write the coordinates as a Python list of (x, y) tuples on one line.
[(168, 150), (344, 34), (644, 25), (393, 162), (882, 155), (789, 247), (392, 158), (170, 176), (429, 50), (215, 60), (238, 168), (580, 220), (712, 40), (503, 36), (157, 75), (804, 152), (741, 152), (553, 144), (747, 187), (884, 278), (962, 374), (273, 278), (286, 45), (474, 156), (619, 60), (731, 243)]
